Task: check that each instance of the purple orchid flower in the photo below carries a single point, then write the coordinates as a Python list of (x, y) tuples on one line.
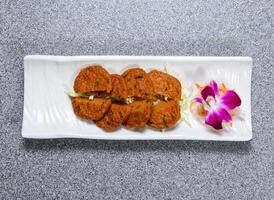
[(218, 105)]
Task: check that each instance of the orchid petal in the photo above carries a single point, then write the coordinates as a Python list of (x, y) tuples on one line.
[(214, 86), (230, 99), (207, 92), (198, 100), (213, 120), (216, 117), (223, 114)]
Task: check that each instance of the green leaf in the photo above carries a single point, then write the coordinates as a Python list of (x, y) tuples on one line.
[(75, 94)]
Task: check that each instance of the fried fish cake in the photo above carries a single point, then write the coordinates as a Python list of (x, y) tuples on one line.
[(119, 87), (165, 85), (90, 109), (139, 114), (116, 115), (164, 114), (93, 78), (138, 83)]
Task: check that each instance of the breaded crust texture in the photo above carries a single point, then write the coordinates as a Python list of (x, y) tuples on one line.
[(139, 115), (165, 85), (93, 78), (119, 87), (116, 115), (90, 110), (138, 83), (164, 114)]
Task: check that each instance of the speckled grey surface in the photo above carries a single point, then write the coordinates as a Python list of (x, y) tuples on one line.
[(86, 169)]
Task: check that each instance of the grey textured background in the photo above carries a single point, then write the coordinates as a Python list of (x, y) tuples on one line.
[(86, 169)]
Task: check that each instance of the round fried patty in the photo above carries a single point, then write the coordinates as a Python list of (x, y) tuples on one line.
[(164, 114), (116, 115), (139, 114), (90, 109), (165, 85), (138, 83), (93, 78)]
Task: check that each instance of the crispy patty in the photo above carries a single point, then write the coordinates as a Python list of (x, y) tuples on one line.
[(119, 87), (93, 78), (116, 115), (165, 85), (164, 114), (138, 83), (90, 109), (139, 114)]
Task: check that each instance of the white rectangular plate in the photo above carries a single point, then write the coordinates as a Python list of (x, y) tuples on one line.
[(48, 112)]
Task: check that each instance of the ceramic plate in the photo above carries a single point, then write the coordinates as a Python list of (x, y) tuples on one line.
[(48, 112)]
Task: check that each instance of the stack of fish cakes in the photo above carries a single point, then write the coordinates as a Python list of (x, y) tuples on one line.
[(133, 99)]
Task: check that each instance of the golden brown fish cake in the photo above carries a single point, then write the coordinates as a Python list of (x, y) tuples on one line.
[(119, 87), (139, 114), (116, 115), (93, 78), (165, 85), (138, 83), (164, 114), (90, 109)]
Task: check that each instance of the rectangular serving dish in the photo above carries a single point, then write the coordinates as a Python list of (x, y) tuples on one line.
[(48, 112)]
